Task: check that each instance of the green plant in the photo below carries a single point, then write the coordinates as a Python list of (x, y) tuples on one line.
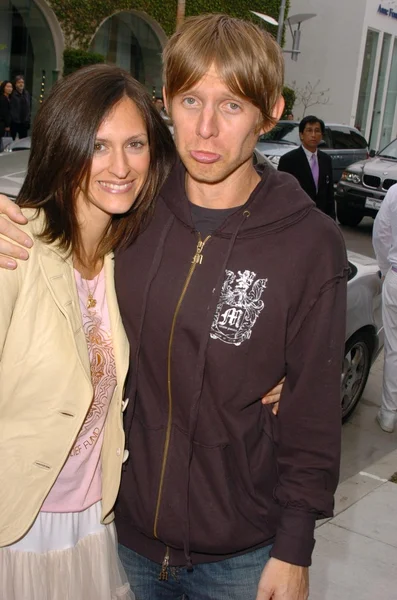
[(289, 98), (74, 59), (81, 18)]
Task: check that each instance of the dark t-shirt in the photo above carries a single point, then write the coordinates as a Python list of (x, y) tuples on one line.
[(207, 220)]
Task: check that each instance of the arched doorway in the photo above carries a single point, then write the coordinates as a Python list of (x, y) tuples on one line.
[(30, 45), (134, 41)]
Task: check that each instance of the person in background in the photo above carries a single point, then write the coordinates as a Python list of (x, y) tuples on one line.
[(311, 167), (5, 114), (159, 104), (384, 239), (290, 116), (20, 106)]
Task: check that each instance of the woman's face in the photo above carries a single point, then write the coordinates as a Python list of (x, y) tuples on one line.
[(8, 89), (120, 164)]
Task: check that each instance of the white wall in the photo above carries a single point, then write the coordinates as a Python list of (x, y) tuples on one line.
[(330, 49)]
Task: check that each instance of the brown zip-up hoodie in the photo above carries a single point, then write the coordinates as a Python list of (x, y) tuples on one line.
[(213, 324)]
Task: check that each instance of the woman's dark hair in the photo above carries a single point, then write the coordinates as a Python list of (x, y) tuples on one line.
[(62, 148), (3, 85)]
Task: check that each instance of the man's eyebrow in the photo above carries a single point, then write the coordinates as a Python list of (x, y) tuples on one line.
[(226, 96)]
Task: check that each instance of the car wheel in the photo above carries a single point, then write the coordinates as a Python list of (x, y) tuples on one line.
[(348, 216), (356, 366)]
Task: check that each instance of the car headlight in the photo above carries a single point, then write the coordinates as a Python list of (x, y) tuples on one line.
[(351, 177), (274, 160)]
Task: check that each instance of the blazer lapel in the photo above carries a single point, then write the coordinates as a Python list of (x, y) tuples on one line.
[(120, 342), (324, 175), (58, 273)]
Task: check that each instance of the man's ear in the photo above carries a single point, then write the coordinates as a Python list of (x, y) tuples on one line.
[(277, 112), (165, 99)]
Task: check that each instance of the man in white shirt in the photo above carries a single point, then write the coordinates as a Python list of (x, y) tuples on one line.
[(384, 239)]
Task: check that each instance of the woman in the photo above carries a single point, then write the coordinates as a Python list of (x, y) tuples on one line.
[(95, 166), (5, 115)]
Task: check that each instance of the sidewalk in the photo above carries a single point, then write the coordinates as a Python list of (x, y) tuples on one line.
[(355, 557)]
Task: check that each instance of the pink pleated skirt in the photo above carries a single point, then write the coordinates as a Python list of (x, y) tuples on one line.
[(65, 556)]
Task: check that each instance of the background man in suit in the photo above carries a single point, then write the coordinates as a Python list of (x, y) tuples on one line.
[(311, 167)]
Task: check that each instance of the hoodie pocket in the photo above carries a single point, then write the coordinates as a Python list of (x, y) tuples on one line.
[(227, 511)]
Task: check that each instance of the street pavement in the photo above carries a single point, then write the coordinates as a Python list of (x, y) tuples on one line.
[(355, 557)]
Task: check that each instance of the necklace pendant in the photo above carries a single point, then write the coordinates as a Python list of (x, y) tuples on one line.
[(91, 302)]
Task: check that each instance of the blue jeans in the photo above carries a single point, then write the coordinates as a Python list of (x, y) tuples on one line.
[(234, 578)]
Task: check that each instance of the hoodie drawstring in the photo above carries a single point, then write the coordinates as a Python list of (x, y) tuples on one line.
[(152, 273), (194, 411)]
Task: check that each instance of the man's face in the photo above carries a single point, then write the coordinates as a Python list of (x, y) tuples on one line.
[(159, 104), (311, 136), (215, 130), (20, 84)]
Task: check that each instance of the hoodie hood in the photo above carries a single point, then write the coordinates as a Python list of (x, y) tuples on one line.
[(262, 213)]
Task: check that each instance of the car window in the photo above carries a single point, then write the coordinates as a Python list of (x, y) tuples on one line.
[(359, 140), (390, 151), (327, 139), (286, 132), (344, 138)]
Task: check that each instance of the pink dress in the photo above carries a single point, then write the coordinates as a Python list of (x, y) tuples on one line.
[(68, 554)]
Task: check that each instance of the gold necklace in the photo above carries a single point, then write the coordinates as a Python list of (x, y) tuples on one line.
[(91, 302)]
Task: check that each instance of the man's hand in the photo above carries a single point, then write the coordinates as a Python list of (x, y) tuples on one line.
[(8, 251), (273, 397), (282, 581)]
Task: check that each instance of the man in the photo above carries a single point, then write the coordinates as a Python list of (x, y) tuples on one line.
[(159, 104), (385, 246), (20, 106), (290, 117), (311, 167), (222, 295)]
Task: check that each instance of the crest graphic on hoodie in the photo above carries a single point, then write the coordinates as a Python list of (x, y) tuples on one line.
[(238, 308)]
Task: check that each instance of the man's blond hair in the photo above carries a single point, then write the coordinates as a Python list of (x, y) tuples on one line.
[(247, 59)]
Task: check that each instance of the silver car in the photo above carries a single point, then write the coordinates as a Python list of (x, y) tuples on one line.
[(364, 185), (364, 331), (13, 168), (19, 144), (364, 328)]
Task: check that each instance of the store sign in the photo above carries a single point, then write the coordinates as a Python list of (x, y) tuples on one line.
[(388, 12)]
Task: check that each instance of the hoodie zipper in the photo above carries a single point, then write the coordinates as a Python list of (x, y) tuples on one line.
[(196, 260)]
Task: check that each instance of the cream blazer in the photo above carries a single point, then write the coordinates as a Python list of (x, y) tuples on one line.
[(45, 383)]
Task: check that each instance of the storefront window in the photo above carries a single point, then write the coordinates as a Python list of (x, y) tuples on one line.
[(391, 99), (129, 41), (27, 47), (380, 90), (367, 77)]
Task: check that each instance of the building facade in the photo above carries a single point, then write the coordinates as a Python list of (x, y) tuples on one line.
[(32, 41), (349, 50), (128, 33)]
